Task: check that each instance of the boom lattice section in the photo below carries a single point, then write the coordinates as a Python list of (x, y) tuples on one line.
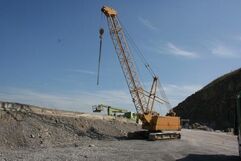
[(127, 64)]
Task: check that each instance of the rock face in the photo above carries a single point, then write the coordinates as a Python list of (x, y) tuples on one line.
[(214, 105)]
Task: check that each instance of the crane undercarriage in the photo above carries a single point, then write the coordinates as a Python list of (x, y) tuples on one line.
[(152, 136)]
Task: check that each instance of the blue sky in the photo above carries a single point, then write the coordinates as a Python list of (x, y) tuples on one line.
[(49, 49)]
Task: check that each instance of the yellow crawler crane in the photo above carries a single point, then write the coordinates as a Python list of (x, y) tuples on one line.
[(158, 127)]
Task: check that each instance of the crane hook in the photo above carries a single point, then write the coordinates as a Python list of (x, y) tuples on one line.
[(101, 32)]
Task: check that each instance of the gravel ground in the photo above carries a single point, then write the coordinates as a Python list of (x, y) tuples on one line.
[(24, 127), (35, 134), (194, 145)]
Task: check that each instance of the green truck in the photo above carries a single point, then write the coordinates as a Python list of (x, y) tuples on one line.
[(237, 127), (115, 111)]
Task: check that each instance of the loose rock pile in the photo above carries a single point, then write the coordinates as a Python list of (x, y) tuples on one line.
[(22, 127)]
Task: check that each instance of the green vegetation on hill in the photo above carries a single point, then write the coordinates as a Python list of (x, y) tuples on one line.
[(213, 105)]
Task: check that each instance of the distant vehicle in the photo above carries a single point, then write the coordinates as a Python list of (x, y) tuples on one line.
[(238, 121), (114, 111)]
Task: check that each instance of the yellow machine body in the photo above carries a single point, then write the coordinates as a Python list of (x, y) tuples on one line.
[(160, 123)]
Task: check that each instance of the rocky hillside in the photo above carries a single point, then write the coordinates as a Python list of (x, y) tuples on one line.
[(213, 105)]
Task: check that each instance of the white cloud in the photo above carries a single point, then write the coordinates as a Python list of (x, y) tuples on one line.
[(237, 38), (83, 71), (81, 101), (180, 52), (148, 24), (177, 93), (225, 52)]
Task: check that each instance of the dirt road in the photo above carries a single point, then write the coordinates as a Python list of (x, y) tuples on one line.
[(194, 146)]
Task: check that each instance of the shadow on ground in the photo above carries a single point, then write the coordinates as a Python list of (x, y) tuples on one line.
[(199, 157)]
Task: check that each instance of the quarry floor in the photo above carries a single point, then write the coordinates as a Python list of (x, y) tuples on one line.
[(194, 145), (29, 133)]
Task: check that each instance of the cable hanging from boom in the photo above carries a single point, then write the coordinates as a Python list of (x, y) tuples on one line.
[(139, 52), (101, 32), (147, 66)]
